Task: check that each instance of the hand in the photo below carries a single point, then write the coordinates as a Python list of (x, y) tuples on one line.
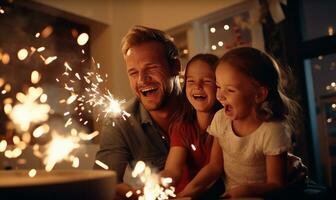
[(240, 191), (297, 172)]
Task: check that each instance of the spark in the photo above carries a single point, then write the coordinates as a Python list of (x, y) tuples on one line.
[(22, 54), (193, 147), (101, 164), (39, 131), (50, 60), (82, 39), (129, 194), (47, 31), (71, 99), (75, 162), (35, 77), (5, 58), (40, 49), (68, 122), (67, 66), (32, 173), (3, 145)]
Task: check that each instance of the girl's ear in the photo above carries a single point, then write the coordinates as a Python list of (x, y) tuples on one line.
[(261, 95)]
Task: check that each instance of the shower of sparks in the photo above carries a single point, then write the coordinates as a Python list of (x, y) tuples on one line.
[(59, 149), (155, 187), (29, 110), (93, 98)]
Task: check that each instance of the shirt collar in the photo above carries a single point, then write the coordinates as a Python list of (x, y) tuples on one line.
[(144, 115)]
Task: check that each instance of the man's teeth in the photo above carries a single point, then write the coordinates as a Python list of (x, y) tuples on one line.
[(147, 89)]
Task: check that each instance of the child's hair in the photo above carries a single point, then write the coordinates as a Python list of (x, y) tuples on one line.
[(188, 113), (266, 71)]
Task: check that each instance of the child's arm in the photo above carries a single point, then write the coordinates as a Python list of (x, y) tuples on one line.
[(207, 175), (276, 173), (174, 164)]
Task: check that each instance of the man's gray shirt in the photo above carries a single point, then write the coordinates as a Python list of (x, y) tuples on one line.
[(131, 140)]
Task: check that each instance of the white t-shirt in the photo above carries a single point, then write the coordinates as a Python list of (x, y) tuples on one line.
[(245, 157)]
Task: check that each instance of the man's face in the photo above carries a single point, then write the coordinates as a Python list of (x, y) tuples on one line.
[(150, 76)]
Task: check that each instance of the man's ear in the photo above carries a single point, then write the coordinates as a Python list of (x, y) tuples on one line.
[(261, 95), (176, 67)]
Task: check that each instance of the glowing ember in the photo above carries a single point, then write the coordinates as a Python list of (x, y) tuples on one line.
[(3, 145), (101, 164), (154, 186), (193, 147), (129, 194), (75, 162), (47, 31), (49, 60), (35, 77), (82, 39), (32, 173), (2, 11), (5, 58), (39, 131), (40, 49), (22, 54)]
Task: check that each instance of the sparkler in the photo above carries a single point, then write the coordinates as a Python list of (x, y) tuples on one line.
[(155, 187), (94, 98)]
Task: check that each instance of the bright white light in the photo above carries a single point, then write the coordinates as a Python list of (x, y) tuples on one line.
[(101, 164), (220, 43), (35, 77), (59, 149), (226, 27), (212, 29), (82, 39), (213, 47), (32, 173), (28, 110), (22, 54)]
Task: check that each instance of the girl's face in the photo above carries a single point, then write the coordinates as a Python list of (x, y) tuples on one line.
[(237, 92), (201, 86)]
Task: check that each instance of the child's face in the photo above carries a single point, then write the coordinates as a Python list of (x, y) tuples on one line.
[(236, 92), (201, 86)]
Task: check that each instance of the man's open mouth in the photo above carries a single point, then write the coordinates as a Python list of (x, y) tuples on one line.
[(148, 91)]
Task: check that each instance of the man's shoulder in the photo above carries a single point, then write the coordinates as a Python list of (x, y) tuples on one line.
[(132, 106)]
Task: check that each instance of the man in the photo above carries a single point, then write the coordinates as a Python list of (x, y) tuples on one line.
[(152, 66)]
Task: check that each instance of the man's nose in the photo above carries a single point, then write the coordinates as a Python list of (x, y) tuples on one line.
[(143, 77)]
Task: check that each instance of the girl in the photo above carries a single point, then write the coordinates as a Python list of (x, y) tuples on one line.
[(251, 131), (190, 145)]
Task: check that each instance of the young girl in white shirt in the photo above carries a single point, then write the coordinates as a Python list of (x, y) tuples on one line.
[(252, 130)]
